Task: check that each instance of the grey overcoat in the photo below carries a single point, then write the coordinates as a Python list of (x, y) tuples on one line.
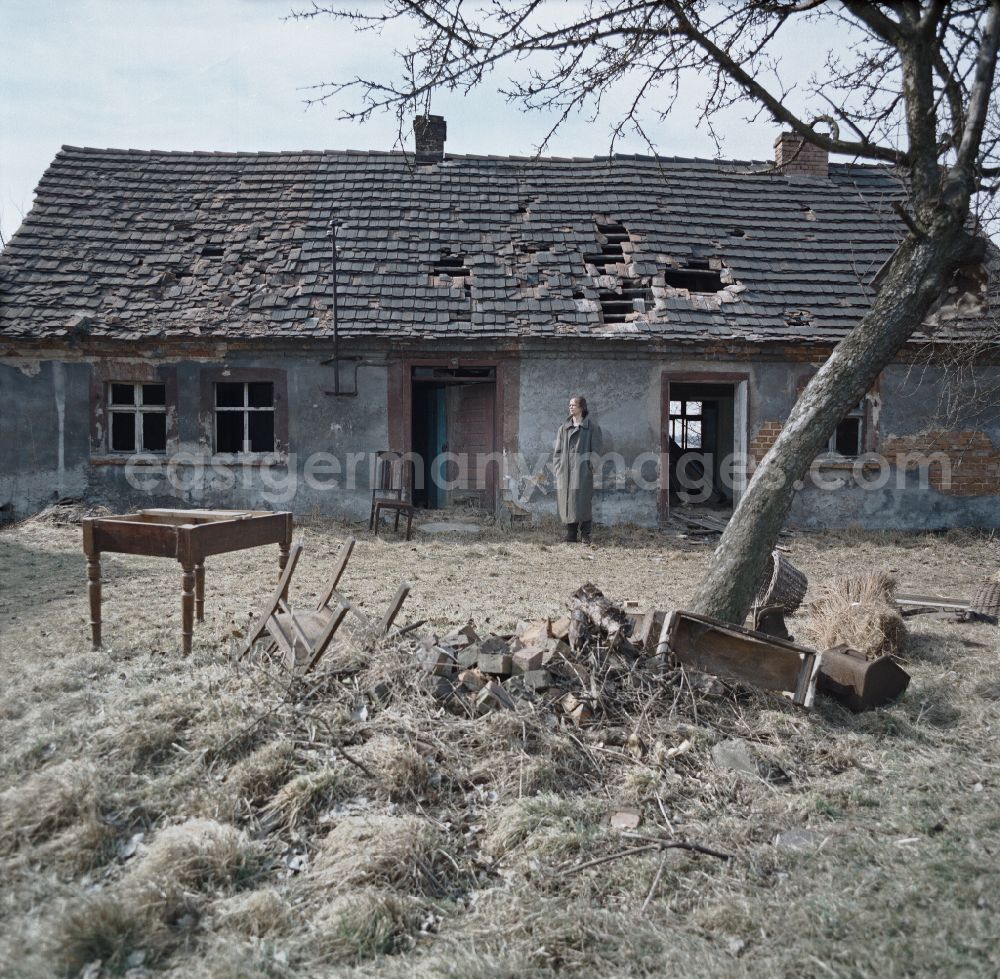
[(574, 466)]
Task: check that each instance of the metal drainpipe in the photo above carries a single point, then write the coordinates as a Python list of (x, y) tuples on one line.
[(332, 235)]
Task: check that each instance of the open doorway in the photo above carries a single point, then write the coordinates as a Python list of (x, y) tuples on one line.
[(454, 415), (704, 441)]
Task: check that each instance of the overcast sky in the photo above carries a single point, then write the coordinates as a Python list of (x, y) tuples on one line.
[(231, 74)]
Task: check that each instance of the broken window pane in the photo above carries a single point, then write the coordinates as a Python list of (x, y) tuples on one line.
[(692, 431), (122, 430), (154, 431), (123, 394), (154, 394), (847, 438), (229, 394), (229, 431), (693, 409), (260, 394), (261, 431)]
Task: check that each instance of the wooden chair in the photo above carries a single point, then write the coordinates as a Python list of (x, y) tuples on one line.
[(393, 491), (303, 637)]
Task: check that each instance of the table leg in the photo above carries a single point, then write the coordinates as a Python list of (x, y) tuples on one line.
[(284, 546), (187, 607), (94, 590), (199, 591)]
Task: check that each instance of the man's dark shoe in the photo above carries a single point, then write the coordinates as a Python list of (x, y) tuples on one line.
[(585, 528), (570, 537)]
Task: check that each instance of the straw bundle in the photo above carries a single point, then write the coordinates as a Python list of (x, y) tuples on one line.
[(858, 610)]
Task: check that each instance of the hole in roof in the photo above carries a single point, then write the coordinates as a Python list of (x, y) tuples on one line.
[(696, 276), (212, 251), (737, 233), (632, 297)]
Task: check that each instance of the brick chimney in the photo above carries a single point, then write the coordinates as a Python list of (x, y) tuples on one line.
[(794, 156), (429, 134)]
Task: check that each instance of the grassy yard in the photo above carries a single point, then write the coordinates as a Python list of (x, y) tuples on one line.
[(185, 817)]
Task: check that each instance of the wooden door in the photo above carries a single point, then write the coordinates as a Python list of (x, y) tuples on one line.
[(471, 434)]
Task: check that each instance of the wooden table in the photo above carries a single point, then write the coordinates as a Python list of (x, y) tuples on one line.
[(187, 535)]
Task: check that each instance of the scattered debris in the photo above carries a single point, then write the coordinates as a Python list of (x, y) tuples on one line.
[(858, 682), (736, 755), (783, 586), (726, 650)]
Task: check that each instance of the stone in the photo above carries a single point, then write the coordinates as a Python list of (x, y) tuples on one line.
[(449, 527), (468, 658), (799, 839), (737, 755)]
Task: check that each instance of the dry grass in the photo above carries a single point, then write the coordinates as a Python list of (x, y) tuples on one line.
[(287, 832), (858, 610)]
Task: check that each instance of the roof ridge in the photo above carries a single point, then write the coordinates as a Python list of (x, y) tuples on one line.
[(488, 157)]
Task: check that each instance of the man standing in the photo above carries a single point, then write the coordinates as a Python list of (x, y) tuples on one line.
[(578, 442)]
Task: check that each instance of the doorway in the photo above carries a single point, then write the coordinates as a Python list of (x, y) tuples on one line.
[(703, 436), (454, 416)]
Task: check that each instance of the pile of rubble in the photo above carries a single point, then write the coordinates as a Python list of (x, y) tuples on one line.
[(598, 663), (594, 662)]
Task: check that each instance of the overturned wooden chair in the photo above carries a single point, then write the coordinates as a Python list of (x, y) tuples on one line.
[(303, 637), (393, 491)]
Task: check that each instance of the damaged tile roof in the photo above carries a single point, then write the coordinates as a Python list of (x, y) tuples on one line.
[(129, 244)]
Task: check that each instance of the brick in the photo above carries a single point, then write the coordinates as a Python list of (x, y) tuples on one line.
[(492, 697), (528, 659), (473, 680), (537, 679), (438, 661), (499, 664)]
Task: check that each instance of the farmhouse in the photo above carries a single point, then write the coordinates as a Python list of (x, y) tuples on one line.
[(248, 329)]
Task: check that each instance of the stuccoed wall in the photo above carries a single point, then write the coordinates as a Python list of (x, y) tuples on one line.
[(44, 432), (47, 405), (919, 410), (624, 395), (45, 450)]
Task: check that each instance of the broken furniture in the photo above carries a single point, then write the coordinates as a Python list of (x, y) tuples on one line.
[(956, 609), (858, 682), (782, 584), (713, 646), (189, 536), (986, 601), (303, 637), (393, 490)]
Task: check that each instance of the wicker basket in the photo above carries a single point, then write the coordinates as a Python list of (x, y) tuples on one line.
[(782, 585), (986, 601)]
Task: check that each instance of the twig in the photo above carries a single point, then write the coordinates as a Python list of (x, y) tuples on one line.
[(608, 856), (679, 845), (654, 885), (356, 763)]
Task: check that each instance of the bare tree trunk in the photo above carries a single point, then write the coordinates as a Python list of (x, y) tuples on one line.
[(919, 271)]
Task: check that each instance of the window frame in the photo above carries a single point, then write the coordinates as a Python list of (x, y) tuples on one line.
[(136, 409), (115, 371), (210, 377), (246, 410), (864, 411), (684, 418)]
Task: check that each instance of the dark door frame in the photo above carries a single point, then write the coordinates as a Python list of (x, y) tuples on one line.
[(691, 377), (506, 398)]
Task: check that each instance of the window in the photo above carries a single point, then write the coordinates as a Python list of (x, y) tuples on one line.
[(685, 424), (137, 417), (848, 437), (244, 416)]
